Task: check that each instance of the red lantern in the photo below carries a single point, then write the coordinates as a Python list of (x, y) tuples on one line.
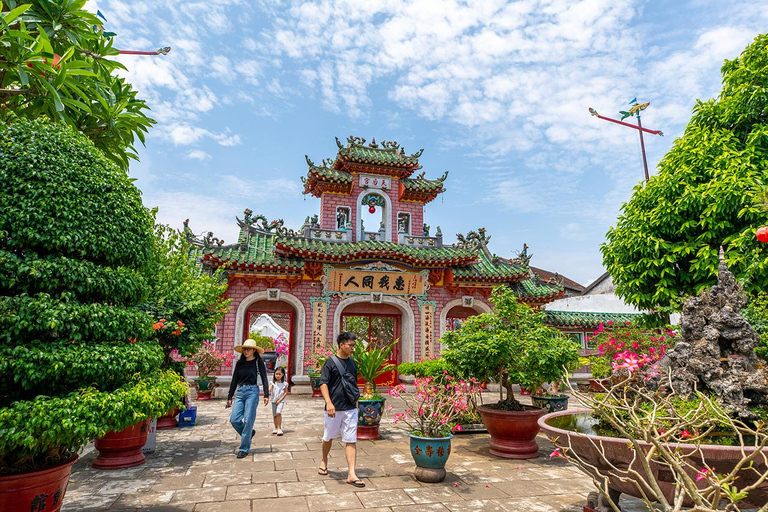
[(762, 234), (371, 209)]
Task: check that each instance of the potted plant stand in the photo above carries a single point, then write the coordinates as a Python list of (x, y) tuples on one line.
[(205, 387), (369, 412), (168, 420), (513, 433), (36, 490), (314, 382), (430, 455), (550, 403), (122, 449)]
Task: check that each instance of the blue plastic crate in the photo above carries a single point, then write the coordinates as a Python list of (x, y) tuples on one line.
[(187, 418)]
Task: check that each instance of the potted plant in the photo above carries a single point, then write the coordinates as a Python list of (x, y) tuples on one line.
[(508, 345), (548, 366), (77, 355), (313, 364), (268, 344), (372, 361), (430, 418), (208, 360)]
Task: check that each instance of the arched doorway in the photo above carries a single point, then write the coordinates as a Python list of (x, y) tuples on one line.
[(286, 314), (454, 314), (380, 325)]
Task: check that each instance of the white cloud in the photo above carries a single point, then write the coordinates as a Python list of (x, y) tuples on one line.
[(198, 154), (182, 134)]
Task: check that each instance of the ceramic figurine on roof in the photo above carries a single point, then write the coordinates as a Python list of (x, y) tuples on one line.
[(334, 275)]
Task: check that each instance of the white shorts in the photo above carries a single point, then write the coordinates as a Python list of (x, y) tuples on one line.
[(344, 421), (277, 408)]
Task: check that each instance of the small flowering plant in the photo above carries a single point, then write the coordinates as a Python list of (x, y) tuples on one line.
[(435, 407), (314, 359), (208, 359), (629, 348), (281, 345)]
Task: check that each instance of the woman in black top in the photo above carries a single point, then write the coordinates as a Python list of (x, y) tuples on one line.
[(245, 379)]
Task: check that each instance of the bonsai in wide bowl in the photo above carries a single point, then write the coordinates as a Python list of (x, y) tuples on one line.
[(509, 345)]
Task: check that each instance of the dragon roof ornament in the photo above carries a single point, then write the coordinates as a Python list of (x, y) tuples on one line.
[(473, 239), (523, 257), (205, 241), (275, 227)]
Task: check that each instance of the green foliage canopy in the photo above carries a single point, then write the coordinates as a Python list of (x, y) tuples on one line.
[(509, 345), (75, 363), (707, 193), (52, 63)]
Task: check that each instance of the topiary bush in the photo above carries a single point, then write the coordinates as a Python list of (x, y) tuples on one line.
[(77, 354)]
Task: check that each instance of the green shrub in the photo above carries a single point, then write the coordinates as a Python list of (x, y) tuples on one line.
[(262, 341), (434, 368), (77, 357)]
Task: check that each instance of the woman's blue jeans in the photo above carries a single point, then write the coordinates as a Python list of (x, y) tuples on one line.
[(244, 413)]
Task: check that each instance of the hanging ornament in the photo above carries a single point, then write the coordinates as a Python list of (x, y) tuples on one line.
[(372, 209), (762, 234)]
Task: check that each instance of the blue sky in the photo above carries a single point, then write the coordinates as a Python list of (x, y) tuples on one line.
[(495, 92)]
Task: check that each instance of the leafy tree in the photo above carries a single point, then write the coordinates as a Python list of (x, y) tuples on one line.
[(509, 345), (53, 62), (185, 301), (77, 354), (707, 194)]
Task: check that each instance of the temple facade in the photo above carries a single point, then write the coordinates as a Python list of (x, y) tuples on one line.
[(366, 263)]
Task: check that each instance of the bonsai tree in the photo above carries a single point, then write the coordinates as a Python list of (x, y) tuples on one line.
[(707, 193), (509, 345), (372, 361), (77, 356)]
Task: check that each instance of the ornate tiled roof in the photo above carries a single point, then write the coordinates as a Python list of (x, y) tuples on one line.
[(326, 179), (387, 154), (340, 252), (534, 290), (421, 189), (489, 270), (586, 319)]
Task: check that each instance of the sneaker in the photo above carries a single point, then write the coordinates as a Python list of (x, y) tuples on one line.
[(253, 433), (279, 432), (274, 431), (242, 455)]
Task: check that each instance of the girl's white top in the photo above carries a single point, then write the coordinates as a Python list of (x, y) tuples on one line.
[(278, 390)]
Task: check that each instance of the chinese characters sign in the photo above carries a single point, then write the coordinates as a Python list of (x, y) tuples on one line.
[(368, 281), (368, 181), (427, 329), (319, 316)]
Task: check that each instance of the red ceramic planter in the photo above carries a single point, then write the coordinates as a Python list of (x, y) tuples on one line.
[(38, 490), (168, 420), (367, 432), (122, 449), (513, 433)]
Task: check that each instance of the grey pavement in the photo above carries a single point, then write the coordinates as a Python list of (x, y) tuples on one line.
[(195, 469)]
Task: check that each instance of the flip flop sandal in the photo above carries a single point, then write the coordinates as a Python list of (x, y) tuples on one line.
[(322, 471), (357, 483)]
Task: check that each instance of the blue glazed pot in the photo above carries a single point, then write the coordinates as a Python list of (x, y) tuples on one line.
[(430, 452), (369, 411), (551, 403)]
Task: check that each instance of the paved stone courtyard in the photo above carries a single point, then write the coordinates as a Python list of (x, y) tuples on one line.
[(195, 469)]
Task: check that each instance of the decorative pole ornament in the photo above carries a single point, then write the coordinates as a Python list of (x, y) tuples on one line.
[(634, 111), (98, 29)]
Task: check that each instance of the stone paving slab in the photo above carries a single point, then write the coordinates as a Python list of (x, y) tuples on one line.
[(195, 470)]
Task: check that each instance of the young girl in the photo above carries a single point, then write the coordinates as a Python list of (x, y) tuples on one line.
[(278, 391)]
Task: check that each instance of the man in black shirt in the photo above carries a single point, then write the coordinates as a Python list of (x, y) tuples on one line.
[(340, 410)]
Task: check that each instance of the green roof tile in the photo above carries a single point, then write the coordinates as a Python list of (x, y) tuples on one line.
[(387, 154), (487, 270), (259, 252), (586, 319), (535, 289), (329, 174), (420, 184)]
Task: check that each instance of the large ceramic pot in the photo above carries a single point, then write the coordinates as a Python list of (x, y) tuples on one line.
[(37, 490), (205, 387), (562, 426), (430, 455), (122, 449), (550, 403), (513, 433), (314, 382), (368, 417), (168, 420)]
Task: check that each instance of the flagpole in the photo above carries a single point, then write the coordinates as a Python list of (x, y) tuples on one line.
[(642, 147)]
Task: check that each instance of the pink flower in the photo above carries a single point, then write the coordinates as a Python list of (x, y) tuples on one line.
[(702, 474), (685, 434), (556, 453), (455, 484)]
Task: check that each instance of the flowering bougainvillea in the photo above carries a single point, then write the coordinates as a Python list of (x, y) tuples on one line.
[(207, 359), (315, 359), (432, 411)]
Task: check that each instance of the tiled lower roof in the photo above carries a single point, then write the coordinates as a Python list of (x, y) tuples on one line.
[(586, 318), (486, 270), (538, 290)]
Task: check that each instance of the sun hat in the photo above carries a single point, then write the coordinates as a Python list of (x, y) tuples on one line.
[(249, 343)]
